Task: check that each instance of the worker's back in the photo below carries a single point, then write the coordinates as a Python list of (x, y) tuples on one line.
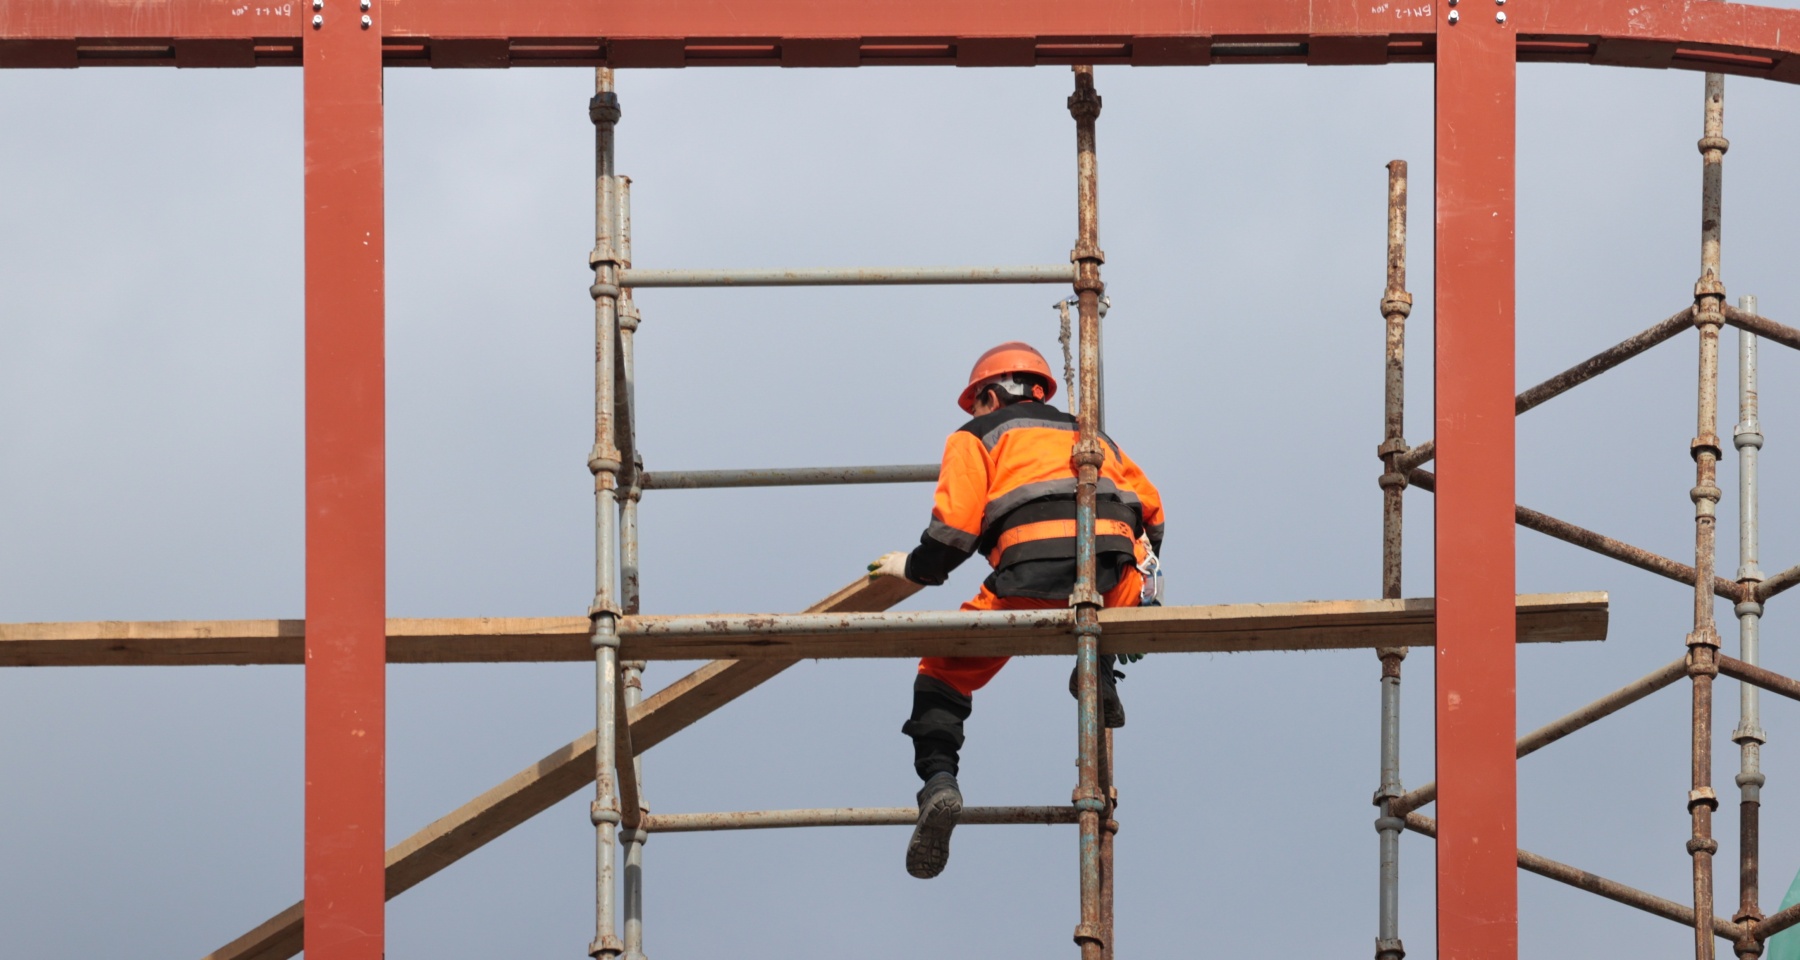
[(1007, 490)]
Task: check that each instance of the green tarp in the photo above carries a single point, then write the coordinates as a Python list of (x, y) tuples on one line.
[(1786, 944)]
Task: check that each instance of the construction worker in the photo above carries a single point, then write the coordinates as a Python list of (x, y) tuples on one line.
[(1006, 489)]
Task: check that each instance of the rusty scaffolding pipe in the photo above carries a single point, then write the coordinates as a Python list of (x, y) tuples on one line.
[(1596, 884), (788, 477), (1396, 305), (1761, 677), (1777, 583), (1567, 724), (1776, 922), (1575, 376), (1084, 106), (1746, 319), (847, 276), (632, 832), (604, 463), (848, 817), (1703, 640), (1597, 542)]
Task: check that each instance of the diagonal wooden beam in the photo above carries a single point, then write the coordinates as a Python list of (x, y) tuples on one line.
[(561, 774)]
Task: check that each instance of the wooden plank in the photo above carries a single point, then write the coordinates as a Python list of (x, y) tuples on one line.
[(1307, 625), (559, 775)]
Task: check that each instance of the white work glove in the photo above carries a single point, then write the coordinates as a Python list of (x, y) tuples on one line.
[(889, 565)]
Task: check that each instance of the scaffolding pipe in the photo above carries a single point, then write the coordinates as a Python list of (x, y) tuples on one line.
[(1703, 640), (1567, 724), (633, 834), (1776, 922), (1747, 320), (1109, 829), (1575, 376), (1749, 736), (1777, 583), (1396, 305), (1597, 542), (1084, 106), (1761, 677), (847, 817), (847, 276), (605, 466), (789, 477), (1593, 883)]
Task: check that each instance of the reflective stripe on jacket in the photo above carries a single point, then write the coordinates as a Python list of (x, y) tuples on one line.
[(1006, 489)]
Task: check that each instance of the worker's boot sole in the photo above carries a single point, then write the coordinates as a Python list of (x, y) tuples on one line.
[(929, 850)]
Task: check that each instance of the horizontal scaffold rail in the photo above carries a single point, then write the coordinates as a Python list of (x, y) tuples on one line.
[(846, 276), (1225, 628), (847, 817), (787, 477)]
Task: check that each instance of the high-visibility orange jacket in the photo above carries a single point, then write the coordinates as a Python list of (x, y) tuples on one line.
[(1006, 489)]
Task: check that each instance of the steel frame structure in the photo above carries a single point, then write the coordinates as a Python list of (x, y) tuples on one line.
[(343, 46)]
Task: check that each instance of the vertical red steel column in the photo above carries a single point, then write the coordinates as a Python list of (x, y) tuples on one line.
[(1477, 879), (346, 575)]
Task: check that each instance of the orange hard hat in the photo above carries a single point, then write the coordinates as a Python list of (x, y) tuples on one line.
[(1009, 357)]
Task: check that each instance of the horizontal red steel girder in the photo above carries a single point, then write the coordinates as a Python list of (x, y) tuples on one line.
[(1690, 34)]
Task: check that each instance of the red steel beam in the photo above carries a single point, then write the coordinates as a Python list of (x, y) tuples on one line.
[(1477, 883), (346, 645), (1687, 34)]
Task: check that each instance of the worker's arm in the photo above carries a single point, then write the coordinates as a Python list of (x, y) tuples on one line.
[(955, 514), (1133, 479)]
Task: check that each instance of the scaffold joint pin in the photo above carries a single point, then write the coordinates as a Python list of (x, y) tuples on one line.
[(604, 108)]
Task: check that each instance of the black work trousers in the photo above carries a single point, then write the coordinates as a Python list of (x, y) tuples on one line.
[(936, 726)]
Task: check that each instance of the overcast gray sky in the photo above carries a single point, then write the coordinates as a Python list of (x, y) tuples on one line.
[(151, 443)]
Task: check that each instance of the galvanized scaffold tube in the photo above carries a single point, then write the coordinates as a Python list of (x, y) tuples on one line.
[(604, 463), (847, 276), (1109, 830), (1703, 641), (1396, 305), (1084, 105), (1749, 736), (633, 833)]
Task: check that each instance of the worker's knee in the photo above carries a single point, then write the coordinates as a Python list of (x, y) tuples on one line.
[(938, 711)]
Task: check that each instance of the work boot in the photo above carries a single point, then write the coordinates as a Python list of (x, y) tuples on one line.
[(940, 805), (1112, 709)]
